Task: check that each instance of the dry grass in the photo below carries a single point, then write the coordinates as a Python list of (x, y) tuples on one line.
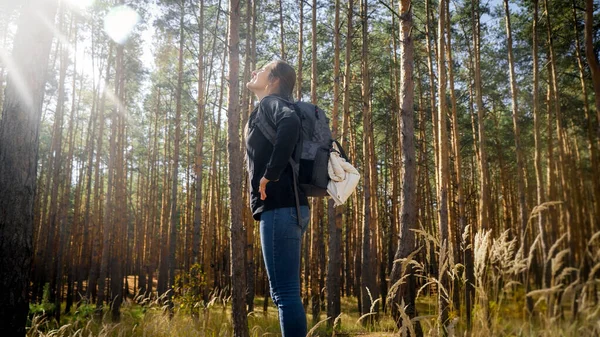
[(500, 266)]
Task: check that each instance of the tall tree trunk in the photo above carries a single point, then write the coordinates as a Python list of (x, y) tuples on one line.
[(346, 142), (117, 203), (199, 141), (56, 171), (592, 60), (406, 292), (484, 184), (97, 234), (281, 31), (334, 213), (19, 127), (539, 175), (461, 230), (317, 207), (300, 50), (515, 117), (238, 240), (443, 173), (247, 108), (175, 171), (368, 291), (65, 203)]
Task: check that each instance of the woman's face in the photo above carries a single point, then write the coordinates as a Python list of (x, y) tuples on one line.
[(259, 84)]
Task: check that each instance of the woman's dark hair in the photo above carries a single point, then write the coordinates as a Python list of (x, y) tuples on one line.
[(286, 75)]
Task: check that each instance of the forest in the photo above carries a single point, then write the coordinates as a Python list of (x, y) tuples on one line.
[(475, 125)]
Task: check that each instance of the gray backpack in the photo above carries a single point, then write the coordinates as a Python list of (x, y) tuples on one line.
[(310, 164)]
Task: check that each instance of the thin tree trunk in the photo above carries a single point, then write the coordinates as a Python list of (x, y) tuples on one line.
[(98, 232), (175, 172), (443, 174), (484, 188), (199, 142), (515, 117), (539, 175), (300, 51), (407, 290), (281, 31), (238, 241), (334, 213), (368, 291)]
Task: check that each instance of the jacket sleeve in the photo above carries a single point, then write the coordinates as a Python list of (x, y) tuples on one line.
[(287, 126)]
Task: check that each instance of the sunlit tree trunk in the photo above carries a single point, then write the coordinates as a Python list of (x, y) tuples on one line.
[(65, 225), (515, 116), (368, 286), (98, 230), (199, 141), (56, 170), (19, 129), (461, 228), (117, 205), (443, 172), (484, 188), (539, 175), (238, 240), (407, 289), (247, 108)]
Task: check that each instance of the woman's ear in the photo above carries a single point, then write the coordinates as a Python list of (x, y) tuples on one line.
[(273, 83)]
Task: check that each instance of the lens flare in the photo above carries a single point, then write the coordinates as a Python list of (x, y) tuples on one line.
[(81, 4), (120, 22)]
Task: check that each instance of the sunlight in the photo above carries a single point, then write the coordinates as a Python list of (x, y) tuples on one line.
[(16, 76), (119, 23), (80, 4)]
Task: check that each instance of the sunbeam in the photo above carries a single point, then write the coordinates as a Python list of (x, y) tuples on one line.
[(119, 23), (15, 74)]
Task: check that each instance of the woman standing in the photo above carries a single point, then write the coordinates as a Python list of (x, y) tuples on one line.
[(272, 197)]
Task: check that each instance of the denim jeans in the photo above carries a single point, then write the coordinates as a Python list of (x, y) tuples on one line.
[(281, 237)]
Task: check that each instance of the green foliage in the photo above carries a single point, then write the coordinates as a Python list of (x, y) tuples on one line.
[(45, 307), (189, 287)]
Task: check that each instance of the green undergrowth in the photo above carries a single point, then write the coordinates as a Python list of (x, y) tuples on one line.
[(505, 317)]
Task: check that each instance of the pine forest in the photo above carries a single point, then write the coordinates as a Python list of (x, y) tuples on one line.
[(474, 124)]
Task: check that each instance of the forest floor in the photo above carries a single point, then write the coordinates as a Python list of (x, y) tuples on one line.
[(504, 317)]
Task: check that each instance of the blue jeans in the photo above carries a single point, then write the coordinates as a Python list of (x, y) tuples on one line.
[(281, 238)]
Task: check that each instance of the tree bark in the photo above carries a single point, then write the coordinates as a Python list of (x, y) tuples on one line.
[(175, 172), (592, 59), (334, 213), (19, 127), (523, 217), (407, 290), (443, 174), (368, 291), (238, 240)]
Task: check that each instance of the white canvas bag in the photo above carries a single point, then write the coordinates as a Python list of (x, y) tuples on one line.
[(343, 177)]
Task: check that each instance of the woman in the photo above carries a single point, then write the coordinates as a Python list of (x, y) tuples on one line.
[(272, 197)]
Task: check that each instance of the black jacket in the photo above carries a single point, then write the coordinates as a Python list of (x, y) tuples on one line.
[(264, 159)]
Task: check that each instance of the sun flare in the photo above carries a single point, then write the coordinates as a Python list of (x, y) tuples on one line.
[(120, 22)]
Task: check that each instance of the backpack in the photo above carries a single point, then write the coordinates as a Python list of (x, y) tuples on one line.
[(316, 143)]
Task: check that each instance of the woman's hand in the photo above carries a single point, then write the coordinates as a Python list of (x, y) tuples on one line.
[(262, 188)]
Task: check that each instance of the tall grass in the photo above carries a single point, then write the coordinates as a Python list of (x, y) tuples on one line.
[(500, 267)]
